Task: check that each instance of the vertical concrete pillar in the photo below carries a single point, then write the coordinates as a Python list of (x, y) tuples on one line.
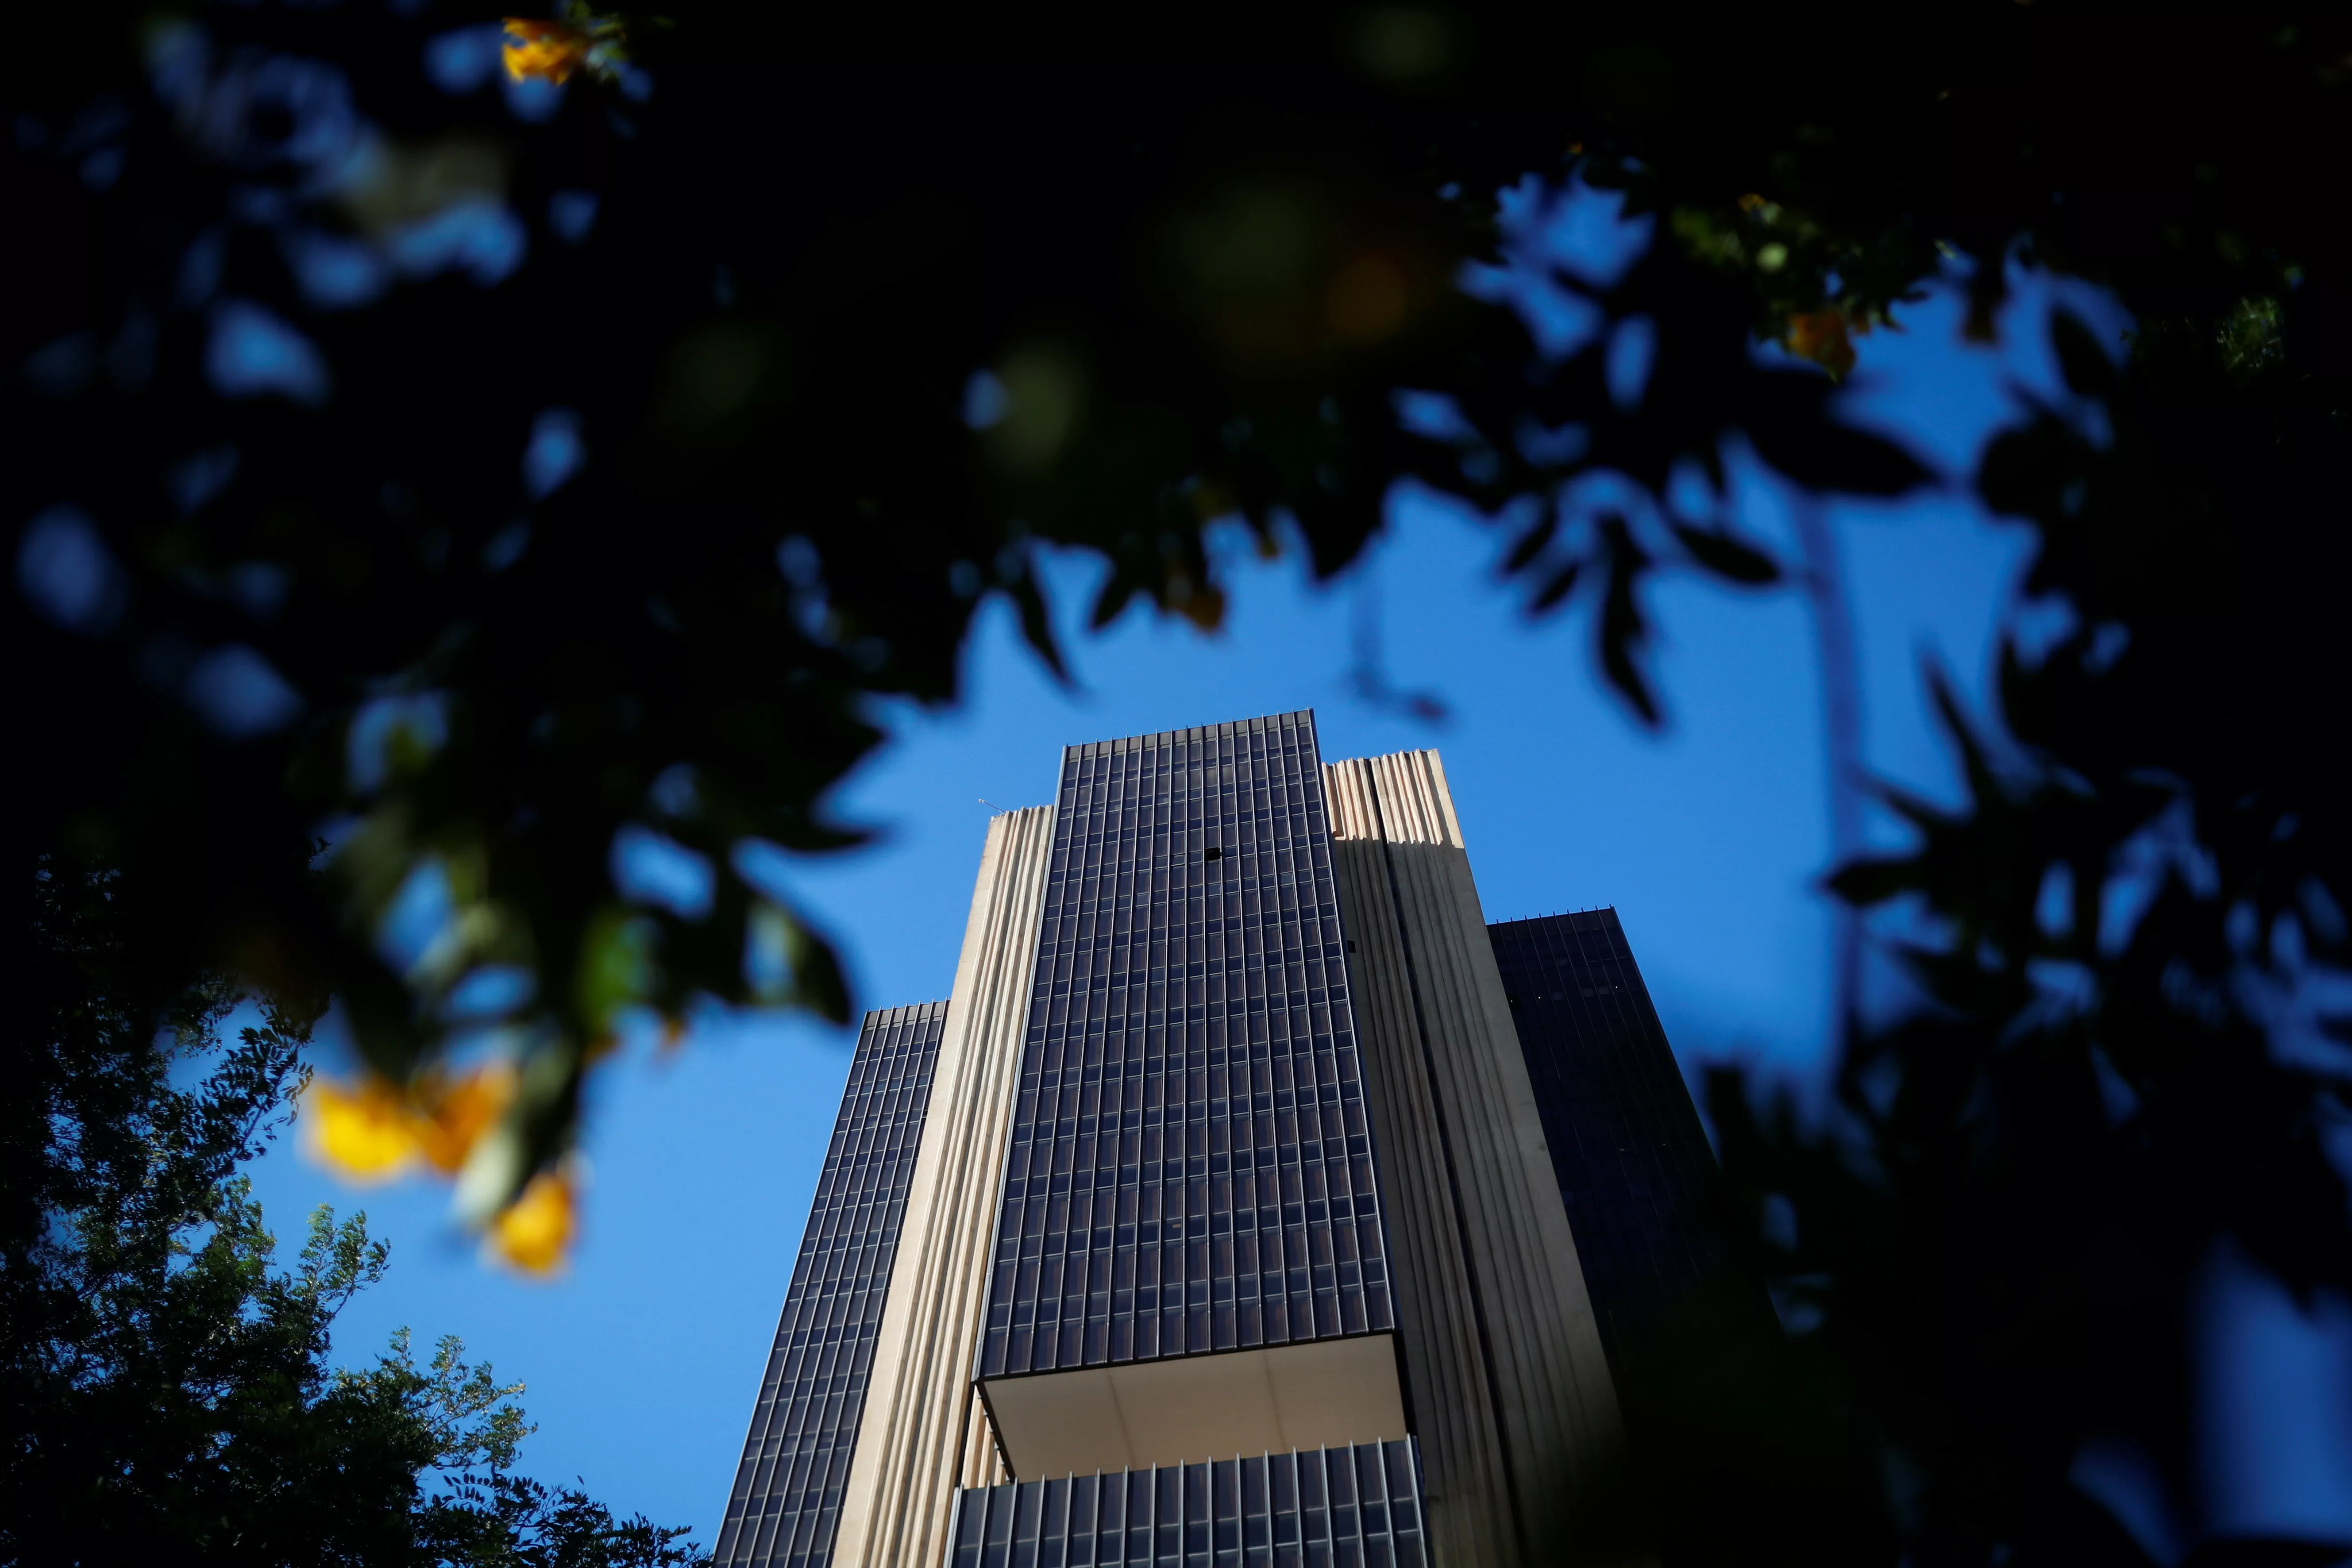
[(1512, 1396), (922, 1436)]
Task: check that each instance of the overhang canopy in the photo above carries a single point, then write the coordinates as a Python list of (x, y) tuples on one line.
[(1189, 1408)]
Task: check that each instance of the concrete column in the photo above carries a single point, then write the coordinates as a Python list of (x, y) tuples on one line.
[(921, 1436), (1512, 1397)]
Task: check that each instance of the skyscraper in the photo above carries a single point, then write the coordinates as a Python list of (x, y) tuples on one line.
[(1635, 1171), (1212, 1218)]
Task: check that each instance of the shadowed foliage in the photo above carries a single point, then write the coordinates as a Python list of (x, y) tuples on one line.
[(168, 1389), (468, 481)]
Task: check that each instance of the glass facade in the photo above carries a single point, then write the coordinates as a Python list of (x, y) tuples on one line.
[(1190, 1167), (1329, 1507), (787, 1498), (1634, 1166)]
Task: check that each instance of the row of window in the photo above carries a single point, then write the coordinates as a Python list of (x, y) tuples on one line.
[(1303, 1191), (1096, 784), (1280, 1292), (1228, 1313), (796, 1456), (1118, 895), (1179, 812), (1248, 735), (1122, 1204), (1266, 1043), (1272, 1254), (1211, 998), (1105, 957), (1075, 1114), (1162, 823), (1334, 1508), (1086, 1103), (1194, 1329), (1199, 1229), (839, 1374), (1235, 1021), (1138, 963), (1284, 1178), (1201, 1067)]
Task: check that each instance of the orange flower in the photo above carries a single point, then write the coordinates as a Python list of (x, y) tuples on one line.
[(549, 51), (1202, 603), (452, 1117), (1825, 338), (534, 1232)]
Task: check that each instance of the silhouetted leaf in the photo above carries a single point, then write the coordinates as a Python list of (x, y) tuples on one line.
[(1868, 883), (2275, 1551), (1624, 631), (1532, 543), (1831, 457), (1726, 557), (1561, 584), (2085, 366)]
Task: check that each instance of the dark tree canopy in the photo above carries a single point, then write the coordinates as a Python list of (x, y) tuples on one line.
[(168, 1390), (470, 484)]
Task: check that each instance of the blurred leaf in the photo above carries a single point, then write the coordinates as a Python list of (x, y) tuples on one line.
[(1532, 543), (2271, 1552), (1822, 455), (1560, 585), (1726, 557), (1863, 883), (1623, 630), (2085, 366), (1822, 336)]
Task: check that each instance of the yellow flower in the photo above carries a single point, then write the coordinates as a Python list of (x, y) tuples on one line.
[(367, 1133), (549, 51), (534, 1232), (375, 1131), (1825, 338)]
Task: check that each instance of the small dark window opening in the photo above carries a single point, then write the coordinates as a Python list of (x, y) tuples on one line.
[(1351, 944), (1213, 853)]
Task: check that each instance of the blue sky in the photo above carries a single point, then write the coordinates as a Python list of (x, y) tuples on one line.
[(642, 1363)]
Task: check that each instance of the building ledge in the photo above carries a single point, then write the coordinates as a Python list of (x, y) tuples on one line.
[(1135, 1415)]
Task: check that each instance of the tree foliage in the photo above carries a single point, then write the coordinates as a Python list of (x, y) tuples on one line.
[(169, 1392), (475, 473), (319, 333)]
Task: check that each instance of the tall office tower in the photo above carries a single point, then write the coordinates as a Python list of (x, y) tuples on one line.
[(1231, 1233), (1636, 1173)]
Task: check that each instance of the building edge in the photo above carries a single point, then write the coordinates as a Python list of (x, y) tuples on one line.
[(1493, 1289), (923, 1437), (797, 1445)]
